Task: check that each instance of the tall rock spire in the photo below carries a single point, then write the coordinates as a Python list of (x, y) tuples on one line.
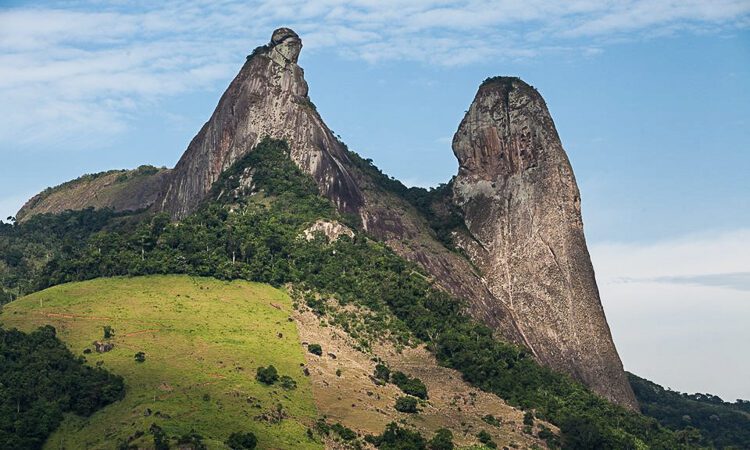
[(268, 98), (522, 210)]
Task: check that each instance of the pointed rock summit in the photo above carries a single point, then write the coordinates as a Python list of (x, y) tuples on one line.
[(524, 269), (268, 98), (522, 209)]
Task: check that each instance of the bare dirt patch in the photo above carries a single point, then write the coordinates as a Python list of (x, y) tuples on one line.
[(352, 397)]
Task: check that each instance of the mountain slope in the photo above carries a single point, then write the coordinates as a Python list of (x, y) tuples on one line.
[(118, 190), (267, 98), (203, 340), (255, 229), (524, 269)]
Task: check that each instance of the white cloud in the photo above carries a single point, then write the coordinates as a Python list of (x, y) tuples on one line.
[(79, 69), (679, 310)]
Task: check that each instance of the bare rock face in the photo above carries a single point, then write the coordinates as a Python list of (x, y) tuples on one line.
[(522, 210), (268, 98), (332, 230)]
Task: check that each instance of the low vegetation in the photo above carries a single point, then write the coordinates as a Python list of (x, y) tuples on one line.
[(237, 236), (409, 385), (406, 404), (702, 419), (203, 340), (40, 380)]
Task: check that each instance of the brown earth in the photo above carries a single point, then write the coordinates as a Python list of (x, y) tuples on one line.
[(356, 401)]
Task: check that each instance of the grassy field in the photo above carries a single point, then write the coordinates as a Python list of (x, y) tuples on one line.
[(203, 340)]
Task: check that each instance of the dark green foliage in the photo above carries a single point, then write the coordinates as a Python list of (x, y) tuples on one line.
[(108, 332), (719, 423), (140, 357), (382, 372), (409, 385), (486, 439), (267, 375), (5, 296), (287, 382), (242, 441), (506, 81), (192, 440), (40, 379), (315, 349), (491, 420), (259, 241), (406, 404), (27, 249), (317, 305), (396, 438), (161, 441), (433, 204), (552, 440), (344, 433), (443, 440), (528, 418), (580, 433), (260, 50)]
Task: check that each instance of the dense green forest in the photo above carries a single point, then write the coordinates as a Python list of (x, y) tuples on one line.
[(702, 418), (257, 237), (39, 381)]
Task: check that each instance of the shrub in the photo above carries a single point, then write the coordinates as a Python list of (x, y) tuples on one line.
[(486, 439), (267, 375), (549, 437), (242, 441), (315, 349), (411, 386), (528, 418), (161, 441), (345, 433), (192, 441), (382, 372), (396, 438), (288, 382), (491, 420), (140, 357), (443, 440), (406, 404), (109, 332)]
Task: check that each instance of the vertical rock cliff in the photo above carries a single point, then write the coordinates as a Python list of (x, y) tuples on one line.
[(522, 210), (525, 271), (268, 98)]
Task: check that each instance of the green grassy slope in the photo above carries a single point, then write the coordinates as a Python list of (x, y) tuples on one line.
[(203, 341)]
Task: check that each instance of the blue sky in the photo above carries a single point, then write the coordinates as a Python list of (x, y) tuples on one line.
[(651, 100)]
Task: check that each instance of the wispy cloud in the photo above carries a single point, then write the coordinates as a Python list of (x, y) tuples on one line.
[(80, 69), (685, 300)]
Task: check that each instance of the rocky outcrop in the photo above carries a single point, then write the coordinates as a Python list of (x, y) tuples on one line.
[(330, 229), (524, 269), (522, 209), (268, 98), (119, 190)]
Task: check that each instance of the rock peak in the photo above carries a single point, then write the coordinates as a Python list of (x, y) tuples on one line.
[(267, 98), (286, 43), (522, 211)]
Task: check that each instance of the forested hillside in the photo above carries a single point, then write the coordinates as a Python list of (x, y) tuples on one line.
[(252, 231), (703, 419), (40, 380)]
